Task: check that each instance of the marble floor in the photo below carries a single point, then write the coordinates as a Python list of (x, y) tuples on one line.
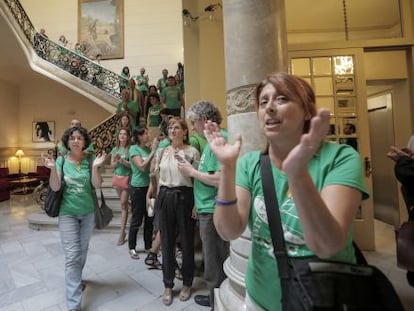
[(31, 269)]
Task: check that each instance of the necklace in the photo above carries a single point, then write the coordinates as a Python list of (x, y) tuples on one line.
[(78, 166)]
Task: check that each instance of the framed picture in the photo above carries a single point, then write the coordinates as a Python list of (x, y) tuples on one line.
[(101, 28), (43, 131)]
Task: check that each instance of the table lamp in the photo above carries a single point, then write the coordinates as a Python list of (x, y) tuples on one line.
[(19, 154)]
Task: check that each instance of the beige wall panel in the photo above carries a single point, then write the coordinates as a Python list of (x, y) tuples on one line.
[(43, 99), (204, 57), (9, 114), (153, 36), (385, 65)]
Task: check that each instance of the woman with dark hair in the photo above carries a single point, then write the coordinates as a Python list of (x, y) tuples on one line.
[(140, 157), (319, 186), (119, 161), (154, 115), (124, 80), (175, 202), (77, 209), (152, 90)]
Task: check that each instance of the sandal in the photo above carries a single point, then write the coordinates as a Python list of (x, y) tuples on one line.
[(121, 240), (167, 296), (185, 293), (152, 260)]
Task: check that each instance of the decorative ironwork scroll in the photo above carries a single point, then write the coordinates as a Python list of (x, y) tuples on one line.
[(104, 134)]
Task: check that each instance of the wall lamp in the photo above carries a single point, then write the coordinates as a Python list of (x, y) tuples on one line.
[(19, 155)]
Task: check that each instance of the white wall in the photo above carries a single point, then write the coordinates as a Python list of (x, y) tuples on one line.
[(9, 114), (153, 36)]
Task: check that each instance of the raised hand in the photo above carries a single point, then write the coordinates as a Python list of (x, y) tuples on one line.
[(226, 153), (296, 162), (49, 161), (100, 159), (154, 144)]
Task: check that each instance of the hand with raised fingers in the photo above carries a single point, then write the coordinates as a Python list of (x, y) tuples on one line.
[(49, 161), (100, 159), (296, 162), (226, 153)]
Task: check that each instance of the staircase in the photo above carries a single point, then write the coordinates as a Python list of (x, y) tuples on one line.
[(79, 73), (40, 221)]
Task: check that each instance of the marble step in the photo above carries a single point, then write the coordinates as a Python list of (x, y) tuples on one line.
[(40, 221)]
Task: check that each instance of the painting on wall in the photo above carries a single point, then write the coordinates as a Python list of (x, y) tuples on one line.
[(101, 28), (43, 131)]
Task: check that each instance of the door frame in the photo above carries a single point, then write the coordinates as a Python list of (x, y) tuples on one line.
[(363, 226)]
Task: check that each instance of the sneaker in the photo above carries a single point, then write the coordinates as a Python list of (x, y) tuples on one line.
[(133, 253)]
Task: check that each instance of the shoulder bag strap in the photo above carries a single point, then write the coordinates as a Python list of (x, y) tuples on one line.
[(273, 216), (61, 174), (275, 225)]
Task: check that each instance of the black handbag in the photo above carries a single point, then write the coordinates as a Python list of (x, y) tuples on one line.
[(311, 283), (54, 198), (103, 213)]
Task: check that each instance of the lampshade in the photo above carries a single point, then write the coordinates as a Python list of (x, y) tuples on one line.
[(19, 153)]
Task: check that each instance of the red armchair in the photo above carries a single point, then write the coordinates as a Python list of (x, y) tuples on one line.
[(42, 173), (4, 184)]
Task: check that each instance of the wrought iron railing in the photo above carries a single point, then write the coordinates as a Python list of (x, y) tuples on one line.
[(104, 134), (64, 58)]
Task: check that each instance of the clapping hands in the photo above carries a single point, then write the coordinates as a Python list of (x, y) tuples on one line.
[(396, 153)]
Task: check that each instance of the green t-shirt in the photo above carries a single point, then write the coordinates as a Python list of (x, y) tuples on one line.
[(133, 107), (334, 164), (204, 195), (162, 84), (77, 192), (198, 141), (143, 87), (138, 177), (154, 117), (121, 169), (125, 81), (172, 95)]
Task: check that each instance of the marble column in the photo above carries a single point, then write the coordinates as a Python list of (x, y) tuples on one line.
[(255, 44)]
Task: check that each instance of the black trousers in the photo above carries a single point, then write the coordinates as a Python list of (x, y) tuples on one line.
[(139, 212), (175, 207)]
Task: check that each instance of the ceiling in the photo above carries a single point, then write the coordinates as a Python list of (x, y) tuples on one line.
[(328, 15)]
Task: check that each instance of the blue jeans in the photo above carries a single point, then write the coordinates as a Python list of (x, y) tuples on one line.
[(75, 233)]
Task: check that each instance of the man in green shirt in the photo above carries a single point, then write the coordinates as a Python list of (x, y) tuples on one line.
[(130, 107), (163, 81), (206, 179), (172, 97)]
